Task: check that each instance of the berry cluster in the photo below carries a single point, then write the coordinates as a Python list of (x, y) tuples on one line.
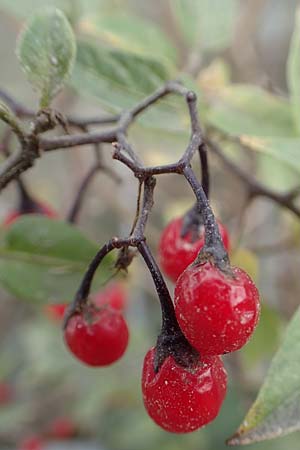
[(217, 309)]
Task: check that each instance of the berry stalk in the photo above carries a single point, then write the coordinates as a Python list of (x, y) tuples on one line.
[(171, 341), (213, 247)]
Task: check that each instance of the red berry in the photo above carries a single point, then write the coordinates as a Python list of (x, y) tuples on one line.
[(56, 312), (6, 393), (176, 253), (98, 337), (113, 295), (31, 443), (62, 428), (44, 210), (216, 312), (181, 399)]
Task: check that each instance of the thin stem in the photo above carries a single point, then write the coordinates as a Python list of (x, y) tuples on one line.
[(169, 321), (82, 294), (77, 203), (26, 203), (138, 202), (149, 185), (204, 169), (213, 242)]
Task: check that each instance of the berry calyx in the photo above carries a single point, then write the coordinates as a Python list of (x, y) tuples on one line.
[(56, 312), (179, 399), (176, 252), (216, 311), (98, 337), (114, 295)]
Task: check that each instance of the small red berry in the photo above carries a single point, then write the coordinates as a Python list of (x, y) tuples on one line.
[(56, 312), (6, 393), (98, 337), (114, 295), (62, 428), (31, 443), (216, 312), (179, 399), (176, 253), (43, 209)]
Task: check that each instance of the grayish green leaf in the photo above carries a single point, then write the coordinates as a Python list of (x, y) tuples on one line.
[(245, 109), (46, 50), (206, 24), (129, 33), (120, 79), (43, 260), (276, 410)]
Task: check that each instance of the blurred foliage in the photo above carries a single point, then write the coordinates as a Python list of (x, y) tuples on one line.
[(47, 258), (121, 57)]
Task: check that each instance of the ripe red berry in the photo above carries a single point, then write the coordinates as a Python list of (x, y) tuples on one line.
[(114, 295), (98, 337), (216, 312), (6, 393), (176, 253), (56, 312), (43, 209), (31, 443), (181, 399), (62, 428)]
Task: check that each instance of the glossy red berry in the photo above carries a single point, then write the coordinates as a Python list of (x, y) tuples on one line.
[(56, 312), (176, 253), (43, 209), (31, 443), (62, 428), (216, 312), (98, 337), (181, 400), (114, 295)]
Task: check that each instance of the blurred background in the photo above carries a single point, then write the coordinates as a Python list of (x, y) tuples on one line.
[(235, 55)]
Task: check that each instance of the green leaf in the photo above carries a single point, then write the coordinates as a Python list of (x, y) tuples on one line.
[(205, 22), (119, 80), (246, 109), (293, 71), (284, 150), (46, 50), (276, 411), (43, 260), (129, 33), (24, 8)]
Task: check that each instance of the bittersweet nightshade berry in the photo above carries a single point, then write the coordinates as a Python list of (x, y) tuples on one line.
[(114, 295), (181, 399), (176, 252), (41, 208), (56, 311), (216, 311), (97, 336), (61, 428)]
